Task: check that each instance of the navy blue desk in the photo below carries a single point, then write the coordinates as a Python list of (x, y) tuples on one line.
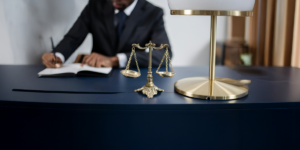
[(105, 113)]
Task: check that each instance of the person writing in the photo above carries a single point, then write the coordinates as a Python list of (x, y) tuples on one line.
[(115, 25)]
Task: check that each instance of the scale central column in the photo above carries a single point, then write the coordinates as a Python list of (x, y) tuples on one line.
[(150, 76)]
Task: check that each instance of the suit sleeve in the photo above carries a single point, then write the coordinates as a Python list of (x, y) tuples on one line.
[(76, 35), (158, 36)]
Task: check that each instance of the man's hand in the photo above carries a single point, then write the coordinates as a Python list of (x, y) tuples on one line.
[(49, 61), (98, 60)]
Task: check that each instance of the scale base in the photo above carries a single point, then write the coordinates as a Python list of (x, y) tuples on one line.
[(199, 87), (150, 91)]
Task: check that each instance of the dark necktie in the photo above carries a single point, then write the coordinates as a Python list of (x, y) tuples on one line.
[(121, 22)]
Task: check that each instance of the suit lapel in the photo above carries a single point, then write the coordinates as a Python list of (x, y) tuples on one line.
[(109, 23), (131, 24)]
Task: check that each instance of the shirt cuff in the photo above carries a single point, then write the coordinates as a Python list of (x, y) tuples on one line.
[(122, 60), (61, 56)]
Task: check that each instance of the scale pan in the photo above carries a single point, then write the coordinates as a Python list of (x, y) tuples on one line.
[(166, 74), (130, 73)]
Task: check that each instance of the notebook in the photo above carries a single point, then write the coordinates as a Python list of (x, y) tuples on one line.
[(76, 70)]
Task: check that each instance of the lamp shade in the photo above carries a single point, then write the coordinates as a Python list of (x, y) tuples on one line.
[(220, 5)]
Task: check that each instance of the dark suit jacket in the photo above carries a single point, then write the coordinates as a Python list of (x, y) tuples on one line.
[(144, 24)]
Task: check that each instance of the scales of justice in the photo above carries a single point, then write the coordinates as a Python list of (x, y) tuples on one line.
[(149, 88)]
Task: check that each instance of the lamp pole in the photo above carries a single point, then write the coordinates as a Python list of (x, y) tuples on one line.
[(212, 63)]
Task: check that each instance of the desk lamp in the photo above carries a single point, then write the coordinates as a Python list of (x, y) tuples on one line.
[(212, 88)]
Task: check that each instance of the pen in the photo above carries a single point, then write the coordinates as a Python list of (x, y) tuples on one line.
[(53, 49)]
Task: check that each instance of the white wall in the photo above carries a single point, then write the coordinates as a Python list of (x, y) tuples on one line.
[(6, 55), (27, 25)]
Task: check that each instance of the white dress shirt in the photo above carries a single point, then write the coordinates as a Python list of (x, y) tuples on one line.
[(121, 56)]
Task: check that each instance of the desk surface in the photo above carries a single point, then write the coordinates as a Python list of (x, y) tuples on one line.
[(271, 87), (105, 113)]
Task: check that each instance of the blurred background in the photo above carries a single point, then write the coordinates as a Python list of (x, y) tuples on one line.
[(269, 38)]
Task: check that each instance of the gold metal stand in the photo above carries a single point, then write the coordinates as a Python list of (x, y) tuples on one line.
[(149, 89), (212, 88)]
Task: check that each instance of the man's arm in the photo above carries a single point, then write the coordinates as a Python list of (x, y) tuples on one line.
[(76, 35), (72, 40), (158, 36)]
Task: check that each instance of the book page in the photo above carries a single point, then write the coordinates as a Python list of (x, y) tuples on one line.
[(103, 70), (69, 68)]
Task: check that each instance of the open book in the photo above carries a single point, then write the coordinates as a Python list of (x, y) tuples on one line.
[(76, 70)]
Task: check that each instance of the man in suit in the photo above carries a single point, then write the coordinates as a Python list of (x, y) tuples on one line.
[(115, 25)]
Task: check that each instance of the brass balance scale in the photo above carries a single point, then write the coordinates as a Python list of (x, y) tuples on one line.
[(149, 89)]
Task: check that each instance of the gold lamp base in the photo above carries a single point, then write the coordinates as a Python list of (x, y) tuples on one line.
[(219, 89)]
